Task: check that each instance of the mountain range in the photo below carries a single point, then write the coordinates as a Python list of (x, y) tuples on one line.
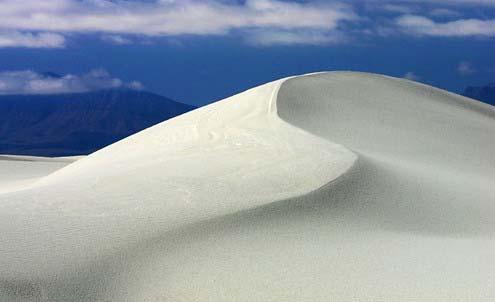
[(78, 123), (482, 93)]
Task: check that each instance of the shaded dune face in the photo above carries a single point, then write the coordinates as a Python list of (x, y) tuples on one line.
[(331, 186), (432, 150)]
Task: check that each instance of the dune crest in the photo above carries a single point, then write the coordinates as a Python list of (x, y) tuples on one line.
[(342, 186)]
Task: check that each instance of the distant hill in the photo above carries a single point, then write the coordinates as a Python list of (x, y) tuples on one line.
[(482, 93), (78, 123)]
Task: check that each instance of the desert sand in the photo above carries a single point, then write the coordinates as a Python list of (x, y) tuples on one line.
[(17, 172), (335, 186)]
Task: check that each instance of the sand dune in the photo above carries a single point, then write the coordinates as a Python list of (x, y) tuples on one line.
[(18, 172), (324, 187)]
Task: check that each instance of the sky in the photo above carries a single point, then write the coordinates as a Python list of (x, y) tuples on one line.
[(198, 52)]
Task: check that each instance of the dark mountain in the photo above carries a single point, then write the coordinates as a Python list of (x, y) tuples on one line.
[(78, 123), (485, 94)]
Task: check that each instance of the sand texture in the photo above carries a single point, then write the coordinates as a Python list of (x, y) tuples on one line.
[(335, 186)]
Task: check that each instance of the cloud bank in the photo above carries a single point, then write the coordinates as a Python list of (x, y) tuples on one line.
[(460, 28), (31, 40), (47, 24), (169, 17), (30, 82)]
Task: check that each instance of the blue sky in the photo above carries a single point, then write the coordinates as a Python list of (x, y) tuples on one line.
[(201, 51)]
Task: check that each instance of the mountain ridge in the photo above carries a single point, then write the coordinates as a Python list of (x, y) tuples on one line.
[(80, 123), (484, 93)]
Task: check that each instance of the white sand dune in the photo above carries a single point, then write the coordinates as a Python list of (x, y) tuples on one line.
[(325, 187), (18, 172)]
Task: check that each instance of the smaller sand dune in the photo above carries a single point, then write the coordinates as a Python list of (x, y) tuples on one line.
[(18, 172)]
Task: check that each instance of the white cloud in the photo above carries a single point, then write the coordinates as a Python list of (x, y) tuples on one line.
[(30, 82), (169, 17), (465, 68), (451, 2), (420, 25), (31, 40), (411, 76), (116, 39), (136, 85), (279, 37), (35, 23), (443, 12), (466, 2)]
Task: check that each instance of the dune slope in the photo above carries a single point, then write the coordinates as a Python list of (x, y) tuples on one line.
[(17, 172), (331, 186)]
